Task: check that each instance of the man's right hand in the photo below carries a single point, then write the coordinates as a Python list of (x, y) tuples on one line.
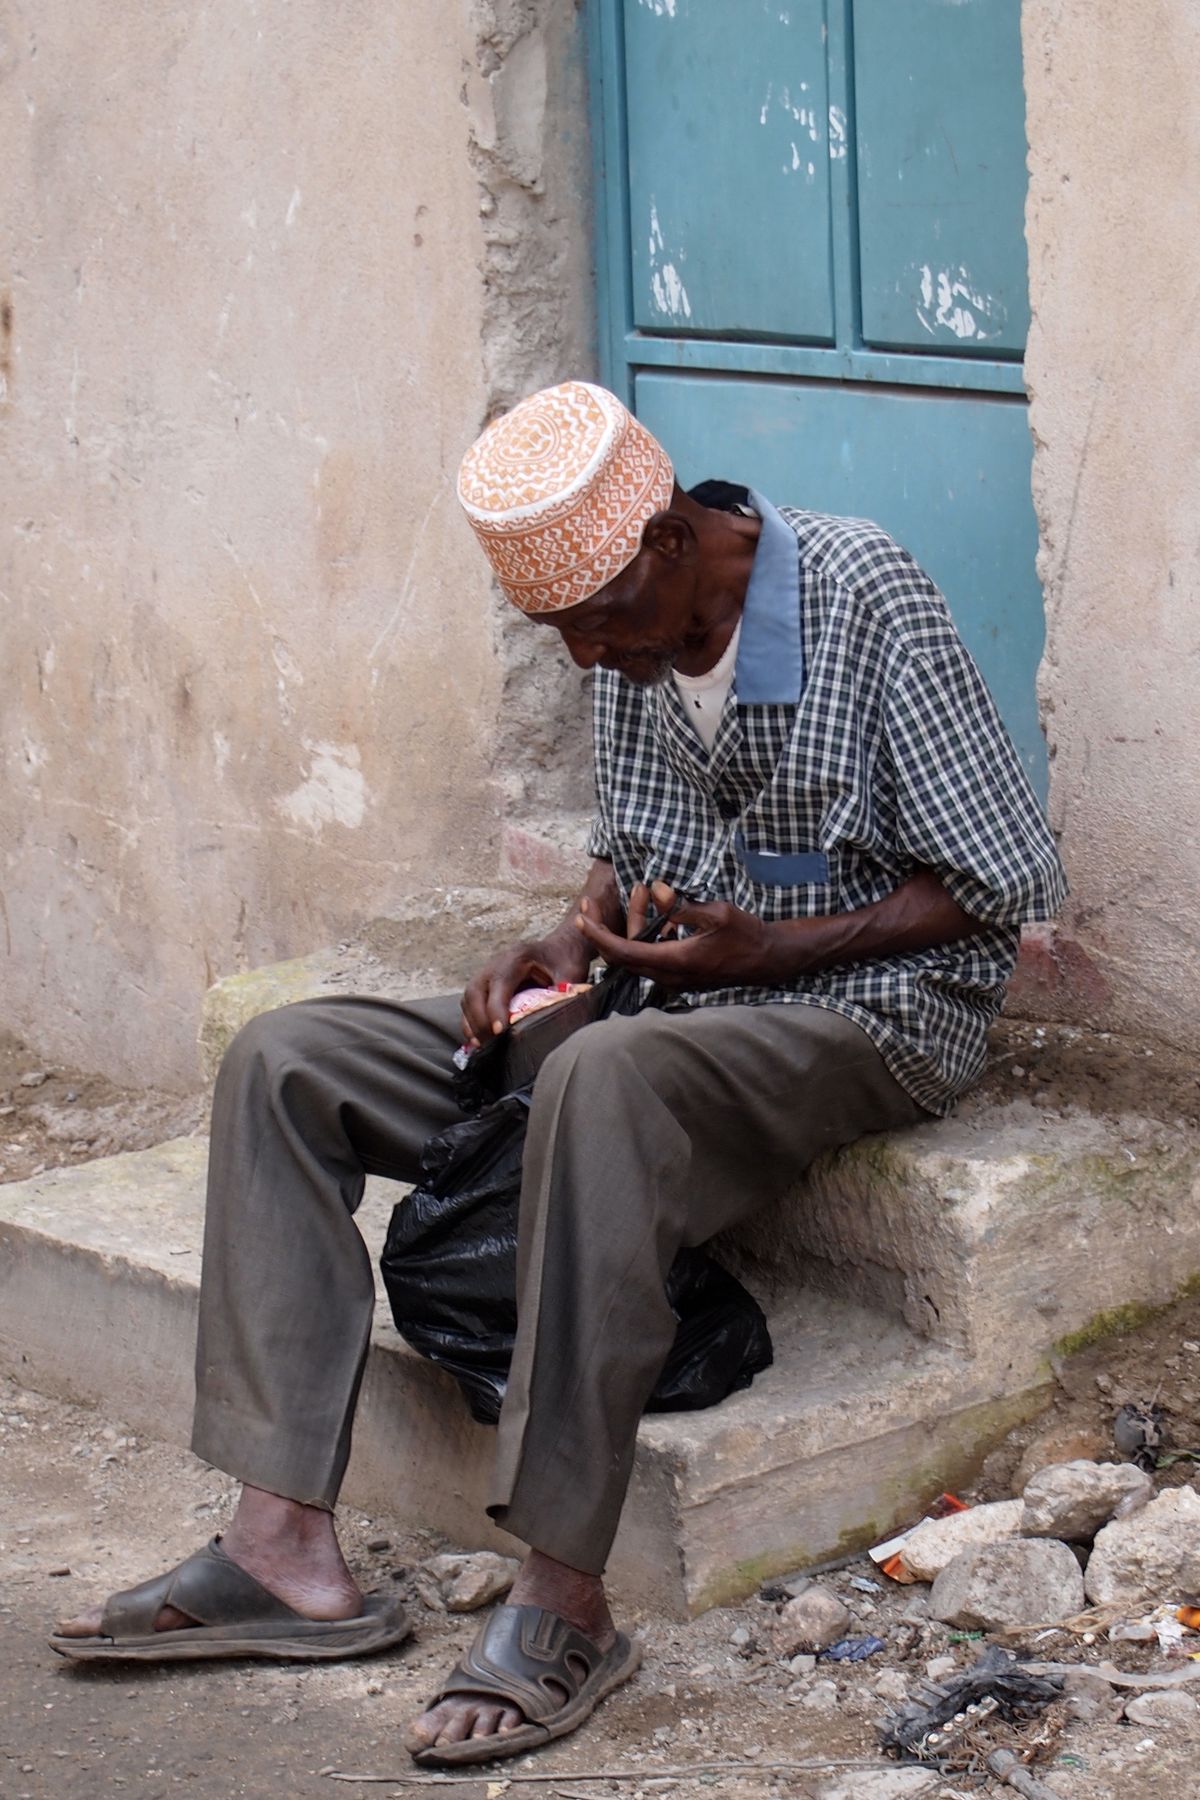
[(536, 962), (564, 954)]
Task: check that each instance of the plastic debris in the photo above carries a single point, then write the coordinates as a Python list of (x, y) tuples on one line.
[(1139, 1432), (887, 1554), (864, 1585), (997, 1683), (851, 1649)]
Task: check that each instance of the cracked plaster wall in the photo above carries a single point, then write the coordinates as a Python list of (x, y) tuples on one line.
[(1114, 130), (265, 269)]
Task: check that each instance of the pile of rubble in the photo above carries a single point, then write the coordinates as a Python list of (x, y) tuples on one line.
[(1088, 1563)]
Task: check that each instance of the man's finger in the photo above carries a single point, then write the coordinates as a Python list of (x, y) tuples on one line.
[(639, 905), (657, 960)]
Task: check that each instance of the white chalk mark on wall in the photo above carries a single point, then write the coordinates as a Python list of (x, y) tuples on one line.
[(406, 586), (666, 284), (951, 301), (293, 208), (659, 7), (837, 133), (333, 791)]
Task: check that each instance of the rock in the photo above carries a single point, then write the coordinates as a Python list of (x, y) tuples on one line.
[(1152, 1557), (802, 1665), (1073, 1500), (892, 1685), (812, 1620), (1088, 1696), (937, 1542), (940, 1668), (1026, 1581), (739, 1637), (35, 1078), (458, 1582), (1059, 1444), (1163, 1707), (821, 1697)]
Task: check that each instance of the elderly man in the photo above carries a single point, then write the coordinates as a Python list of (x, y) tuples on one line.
[(795, 751)]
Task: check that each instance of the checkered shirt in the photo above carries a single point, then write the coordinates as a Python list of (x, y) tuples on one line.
[(894, 757)]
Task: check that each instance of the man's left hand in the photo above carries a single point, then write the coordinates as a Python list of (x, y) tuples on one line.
[(725, 946)]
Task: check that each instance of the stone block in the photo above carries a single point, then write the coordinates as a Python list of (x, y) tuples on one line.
[(1073, 1500), (1002, 1232), (432, 943), (851, 1432), (999, 1587), (938, 1541), (1151, 1558)]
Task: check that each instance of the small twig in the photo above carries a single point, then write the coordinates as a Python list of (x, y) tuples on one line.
[(471, 1772)]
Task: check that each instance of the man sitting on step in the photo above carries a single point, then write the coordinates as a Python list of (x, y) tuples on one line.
[(794, 749)]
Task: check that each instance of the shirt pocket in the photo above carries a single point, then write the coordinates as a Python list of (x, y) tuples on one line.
[(788, 881)]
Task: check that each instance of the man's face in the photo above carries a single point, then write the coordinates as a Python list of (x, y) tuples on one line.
[(639, 624)]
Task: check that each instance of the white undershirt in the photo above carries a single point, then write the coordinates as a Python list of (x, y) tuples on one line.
[(704, 696)]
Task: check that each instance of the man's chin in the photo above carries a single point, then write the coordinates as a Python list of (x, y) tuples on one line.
[(646, 672)]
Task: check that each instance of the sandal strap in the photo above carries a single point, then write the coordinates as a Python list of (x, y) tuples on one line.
[(208, 1587), (528, 1657)]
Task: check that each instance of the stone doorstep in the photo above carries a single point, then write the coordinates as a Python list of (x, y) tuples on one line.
[(1001, 1232), (851, 1431)]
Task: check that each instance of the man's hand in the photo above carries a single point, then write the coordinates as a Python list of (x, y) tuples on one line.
[(726, 947), (536, 962), (564, 954), (731, 948)]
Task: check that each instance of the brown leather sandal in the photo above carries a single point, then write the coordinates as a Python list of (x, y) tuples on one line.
[(529, 1658), (236, 1616)]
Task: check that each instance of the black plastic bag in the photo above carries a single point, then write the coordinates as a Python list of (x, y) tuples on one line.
[(450, 1269)]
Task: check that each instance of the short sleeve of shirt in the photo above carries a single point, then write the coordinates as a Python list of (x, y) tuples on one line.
[(598, 842), (964, 804)]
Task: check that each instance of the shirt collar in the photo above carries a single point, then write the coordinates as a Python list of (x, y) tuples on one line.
[(770, 658)]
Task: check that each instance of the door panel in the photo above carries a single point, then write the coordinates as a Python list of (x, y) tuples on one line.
[(940, 132), (728, 143), (946, 474)]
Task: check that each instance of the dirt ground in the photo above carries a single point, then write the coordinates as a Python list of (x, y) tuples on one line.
[(86, 1506)]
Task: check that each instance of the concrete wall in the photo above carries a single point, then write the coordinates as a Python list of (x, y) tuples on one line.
[(1114, 373), (265, 270)]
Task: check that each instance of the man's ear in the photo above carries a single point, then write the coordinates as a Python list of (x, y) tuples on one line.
[(669, 535)]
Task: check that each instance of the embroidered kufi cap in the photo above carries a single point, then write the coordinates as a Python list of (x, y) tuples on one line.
[(558, 491)]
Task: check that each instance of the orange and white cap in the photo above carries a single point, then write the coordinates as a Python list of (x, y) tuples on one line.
[(559, 490)]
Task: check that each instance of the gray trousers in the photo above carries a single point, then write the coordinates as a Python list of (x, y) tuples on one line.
[(645, 1133)]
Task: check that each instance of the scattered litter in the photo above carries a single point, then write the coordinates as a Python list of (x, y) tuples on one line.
[(998, 1683), (865, 1585), (887, 1554), (851, 1649), (1139, 1432), (64, 1570)]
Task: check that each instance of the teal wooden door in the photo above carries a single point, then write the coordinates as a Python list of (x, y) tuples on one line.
[(811, 271)]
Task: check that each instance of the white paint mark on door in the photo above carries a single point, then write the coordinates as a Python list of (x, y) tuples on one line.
[(659, 7), (951, 301), (333, 791), (837, 133), (666, 284)]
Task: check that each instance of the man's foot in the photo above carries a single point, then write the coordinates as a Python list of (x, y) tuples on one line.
[(573, 1596), (291, 1549)]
